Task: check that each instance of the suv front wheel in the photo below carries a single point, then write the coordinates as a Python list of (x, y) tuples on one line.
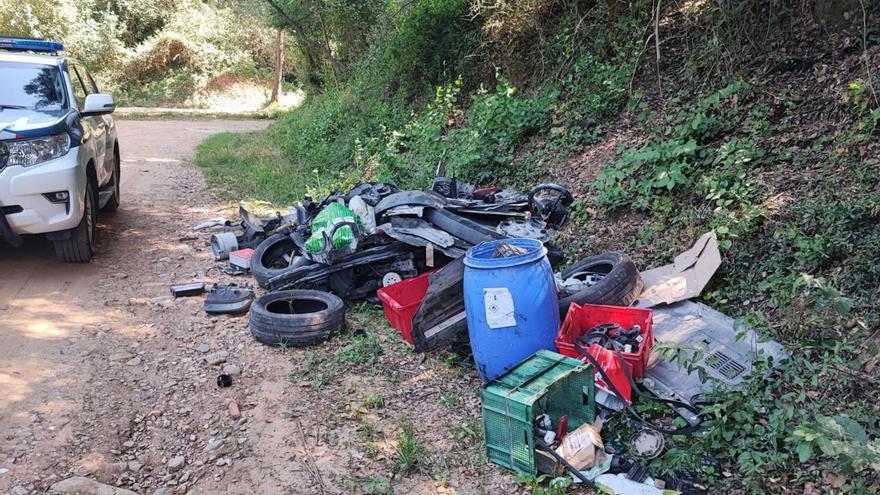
[(79, 247)]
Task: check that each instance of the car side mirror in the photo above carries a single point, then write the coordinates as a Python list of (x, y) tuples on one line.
[(98, 104)]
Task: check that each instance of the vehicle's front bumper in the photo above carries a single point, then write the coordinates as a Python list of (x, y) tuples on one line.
[(22, 189)]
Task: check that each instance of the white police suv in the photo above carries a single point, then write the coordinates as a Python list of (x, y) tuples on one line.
[(59, 158)]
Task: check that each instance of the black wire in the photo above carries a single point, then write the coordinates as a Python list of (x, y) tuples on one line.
[(637, 391)]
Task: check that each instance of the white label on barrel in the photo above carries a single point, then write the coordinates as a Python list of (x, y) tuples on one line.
[(499, 307)]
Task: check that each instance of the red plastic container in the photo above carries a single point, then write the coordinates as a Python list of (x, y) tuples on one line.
[(580, 319), (402, 300)]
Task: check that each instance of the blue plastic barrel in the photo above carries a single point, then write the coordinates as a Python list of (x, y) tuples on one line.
[(511, 305)]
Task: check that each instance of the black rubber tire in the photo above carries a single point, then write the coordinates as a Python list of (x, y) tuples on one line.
[(319, 315), (620, 287), (80, 246), (273, 247), (113, 203)]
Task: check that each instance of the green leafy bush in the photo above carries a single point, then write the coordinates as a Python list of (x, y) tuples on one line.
[(682, 152), (476, 144)]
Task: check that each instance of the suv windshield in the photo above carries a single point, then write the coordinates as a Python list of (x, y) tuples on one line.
[(31, 86)]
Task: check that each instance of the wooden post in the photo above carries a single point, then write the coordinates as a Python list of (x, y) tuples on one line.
[(279, 67)]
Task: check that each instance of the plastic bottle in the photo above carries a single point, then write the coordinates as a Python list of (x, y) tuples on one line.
[(365, 212)]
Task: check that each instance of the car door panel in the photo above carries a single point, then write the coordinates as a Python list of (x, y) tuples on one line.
[(97, 126), (108, 127)]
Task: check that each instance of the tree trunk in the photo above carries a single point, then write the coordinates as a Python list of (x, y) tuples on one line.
[(279, 67), (301, 35)]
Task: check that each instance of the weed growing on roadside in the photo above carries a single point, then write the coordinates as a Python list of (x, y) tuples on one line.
[(375, 401), (411, 453), (370, 485), (469, 432), (866, 114), (361, 349), (535, 484)]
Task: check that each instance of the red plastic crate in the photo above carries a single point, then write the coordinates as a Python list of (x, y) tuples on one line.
[(402, 300), (580, 319)]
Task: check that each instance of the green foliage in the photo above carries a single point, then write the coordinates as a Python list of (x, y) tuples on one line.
[(416, 46), (765, 424), (866, 112), (839, 438), (249, 166), (375, 401), (685, 157), (376, 485), (360, 350), (148, 51), (597, 86), (534, 484), (411, 453), (476, 144)]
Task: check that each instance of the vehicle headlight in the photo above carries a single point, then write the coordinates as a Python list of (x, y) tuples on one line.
[(28, 152)]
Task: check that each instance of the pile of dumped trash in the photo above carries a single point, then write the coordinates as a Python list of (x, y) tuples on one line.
[(352, 245), (561, 352)]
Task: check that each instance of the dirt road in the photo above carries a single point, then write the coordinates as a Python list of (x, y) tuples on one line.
[(91, 352)]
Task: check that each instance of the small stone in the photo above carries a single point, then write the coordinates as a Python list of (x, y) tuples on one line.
[(214, 444), (232, 369), (135, 466), (203, 348), (161, 302), (120, 356), (234, 410), (176, 462), (134, 362), (217, 358)]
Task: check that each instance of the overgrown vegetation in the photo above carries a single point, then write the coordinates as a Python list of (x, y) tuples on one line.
[(158, 52), (756, 119)]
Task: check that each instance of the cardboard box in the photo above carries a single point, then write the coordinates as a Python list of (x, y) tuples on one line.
[(583, 447)]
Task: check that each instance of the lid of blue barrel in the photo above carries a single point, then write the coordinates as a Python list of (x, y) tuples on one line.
[(486, 255)]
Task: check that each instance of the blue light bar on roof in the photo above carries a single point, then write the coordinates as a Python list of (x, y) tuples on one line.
[(30, 45)]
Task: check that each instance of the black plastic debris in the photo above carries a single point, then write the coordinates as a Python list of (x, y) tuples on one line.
[(508, 250), (228, 299), (185, 290)]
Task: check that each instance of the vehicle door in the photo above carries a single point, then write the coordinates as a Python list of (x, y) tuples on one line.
[(109, 130), (82, 88)]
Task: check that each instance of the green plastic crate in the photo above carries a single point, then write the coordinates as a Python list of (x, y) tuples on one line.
[(546, 382)]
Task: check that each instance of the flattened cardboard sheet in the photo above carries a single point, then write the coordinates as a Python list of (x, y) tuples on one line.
[(685, 278)]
